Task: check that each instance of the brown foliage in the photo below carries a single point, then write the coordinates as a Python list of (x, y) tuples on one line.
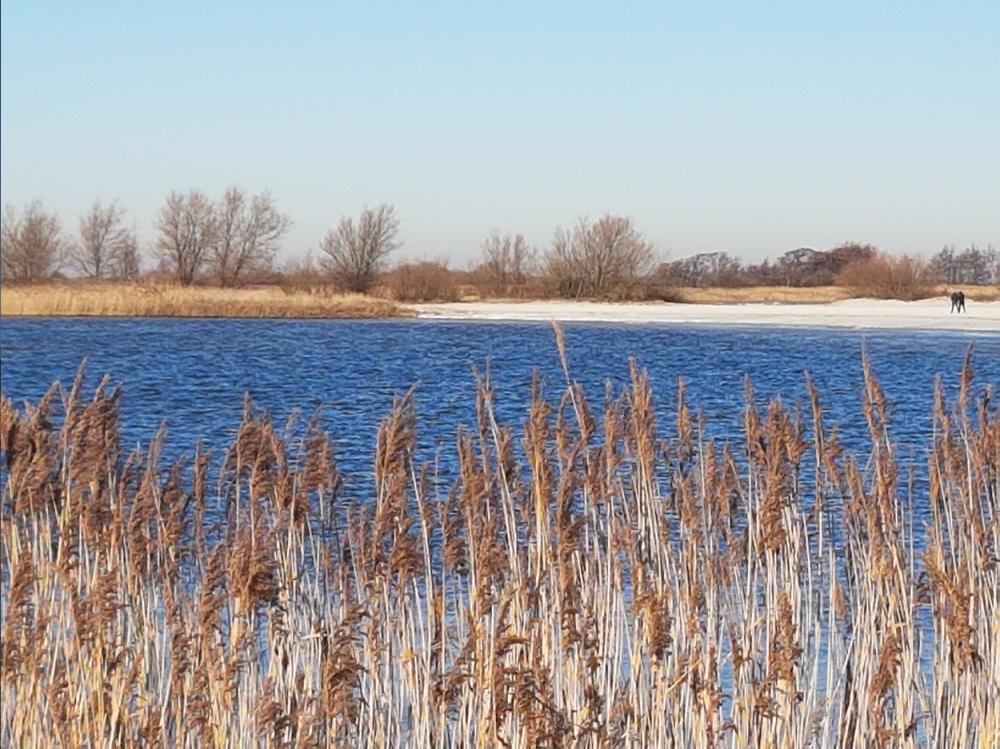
[(422, 281), (887, 277)]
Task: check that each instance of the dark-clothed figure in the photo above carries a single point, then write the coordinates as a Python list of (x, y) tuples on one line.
[(958, 301)]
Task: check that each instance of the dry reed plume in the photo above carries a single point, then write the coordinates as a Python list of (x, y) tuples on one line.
[(599, 579), (148, 300)]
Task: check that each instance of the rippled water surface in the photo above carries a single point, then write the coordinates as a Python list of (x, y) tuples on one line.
[(192, 374)]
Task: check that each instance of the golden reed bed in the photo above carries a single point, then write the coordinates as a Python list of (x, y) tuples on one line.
[(809, 294), (763, 295), (89, 299), (594, 579), (148, 300)]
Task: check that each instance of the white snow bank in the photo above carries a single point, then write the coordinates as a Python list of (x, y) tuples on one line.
[(927, 314)]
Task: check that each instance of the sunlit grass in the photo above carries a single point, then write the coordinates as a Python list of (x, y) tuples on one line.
[(155, 300), (807, 294), (762, 294)]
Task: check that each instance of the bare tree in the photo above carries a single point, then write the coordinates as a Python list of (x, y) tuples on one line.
[(126, 264), (703, 269), (506, 262), (356, 254), (248, 233), (31, 245), (973, 265), (187, 229), (106, 247), (599, 259)]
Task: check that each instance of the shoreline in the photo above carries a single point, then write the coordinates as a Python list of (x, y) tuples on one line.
[(136, 301), (858, 314), (151, 301)]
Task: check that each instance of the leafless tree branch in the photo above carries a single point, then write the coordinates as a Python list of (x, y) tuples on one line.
[(32, 245), (249, 231), (507, 262), (600, 259), (187, 228), (356, 253), (106, 246)]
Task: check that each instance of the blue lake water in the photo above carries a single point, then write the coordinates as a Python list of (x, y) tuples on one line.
[(192, 374)]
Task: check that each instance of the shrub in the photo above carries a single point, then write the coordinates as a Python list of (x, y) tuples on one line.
[(656, 290), (422, 281), (886, 277), (308, 277), (602, 260), (506, 266)]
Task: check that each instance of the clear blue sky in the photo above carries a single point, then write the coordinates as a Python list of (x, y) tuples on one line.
[(748, 127)]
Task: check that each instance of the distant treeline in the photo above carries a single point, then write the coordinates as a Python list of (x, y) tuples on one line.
[(233, 241)]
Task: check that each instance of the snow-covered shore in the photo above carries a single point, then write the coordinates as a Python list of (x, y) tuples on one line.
[(927, 314)]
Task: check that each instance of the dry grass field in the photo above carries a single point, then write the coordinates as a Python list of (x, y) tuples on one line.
[(595, 578), (809, 295), (148, 300), (88, 299), (763, 295), (974, 293)]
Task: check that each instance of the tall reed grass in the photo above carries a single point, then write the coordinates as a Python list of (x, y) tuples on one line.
[(597, 578), (164, 300), (308, 297)]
